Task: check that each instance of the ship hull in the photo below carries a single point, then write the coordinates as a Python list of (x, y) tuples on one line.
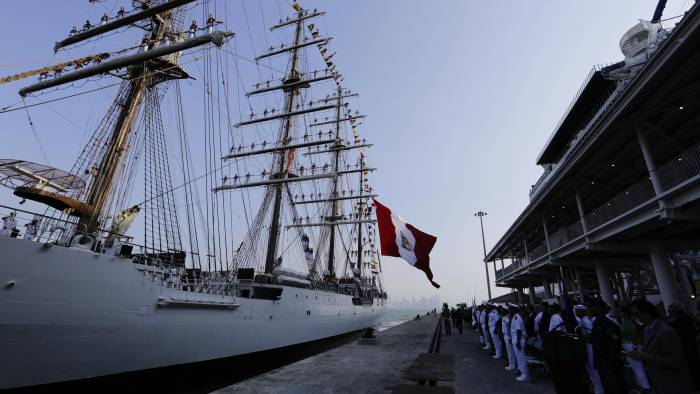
[(68, 314)]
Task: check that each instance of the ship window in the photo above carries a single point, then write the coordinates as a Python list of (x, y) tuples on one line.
[(267, 293)]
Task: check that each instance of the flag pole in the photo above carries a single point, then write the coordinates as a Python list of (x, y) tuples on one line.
[(481, 215)]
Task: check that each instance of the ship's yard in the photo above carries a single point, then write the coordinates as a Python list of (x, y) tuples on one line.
[(190, 197)]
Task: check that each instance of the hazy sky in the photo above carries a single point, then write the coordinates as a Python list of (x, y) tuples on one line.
[(460, 98)]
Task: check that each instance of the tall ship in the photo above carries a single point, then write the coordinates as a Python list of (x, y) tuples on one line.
[(205, 217)]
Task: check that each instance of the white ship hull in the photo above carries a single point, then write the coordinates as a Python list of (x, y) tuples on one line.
[(68, 314)]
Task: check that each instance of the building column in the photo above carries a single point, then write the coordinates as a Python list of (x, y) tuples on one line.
[(547, 288), (533, 298), (527, 255), (651, 166), (665, 279), (546, 235), (578, 285), (581, 212), (606, 291)]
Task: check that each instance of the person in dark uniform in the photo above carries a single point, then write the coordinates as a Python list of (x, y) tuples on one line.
[(683, 324), (606, 341), (446, 321), (457, 318)]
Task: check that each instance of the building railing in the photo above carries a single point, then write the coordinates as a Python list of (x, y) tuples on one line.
[(629, 198), (517, 263), (671, 174), (683, 167), (537, 252), (601, 108)]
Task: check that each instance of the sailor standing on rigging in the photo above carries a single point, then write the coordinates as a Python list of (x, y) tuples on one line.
[(146, 42), (193, 29), (211, 22)]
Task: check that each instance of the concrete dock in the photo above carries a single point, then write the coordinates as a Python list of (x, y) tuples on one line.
[(380, 368)]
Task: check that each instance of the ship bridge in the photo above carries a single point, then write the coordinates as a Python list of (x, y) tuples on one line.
[(619, 200)]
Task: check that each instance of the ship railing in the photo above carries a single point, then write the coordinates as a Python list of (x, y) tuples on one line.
[(680, 169), (46, 235)]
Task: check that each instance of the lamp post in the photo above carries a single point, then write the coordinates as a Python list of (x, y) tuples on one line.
[(481, 215)]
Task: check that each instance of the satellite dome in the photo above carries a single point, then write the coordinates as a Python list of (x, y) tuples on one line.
[(635, 39)]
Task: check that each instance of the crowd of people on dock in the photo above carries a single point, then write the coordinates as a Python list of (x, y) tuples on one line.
[(590, 348)]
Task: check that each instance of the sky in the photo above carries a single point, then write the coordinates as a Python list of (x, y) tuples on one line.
[(460, 95)]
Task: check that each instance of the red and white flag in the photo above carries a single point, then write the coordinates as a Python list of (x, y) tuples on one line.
[(400, 239)]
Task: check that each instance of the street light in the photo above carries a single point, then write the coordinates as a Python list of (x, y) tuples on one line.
[(481, 215)]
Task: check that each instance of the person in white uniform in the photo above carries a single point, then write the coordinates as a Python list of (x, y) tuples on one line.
[(483, 321), (584, 329), (507, 337), (8, 224), (556, 321), (494, 318), (517, 332), (539, 329), (477, 324), (30, 230)]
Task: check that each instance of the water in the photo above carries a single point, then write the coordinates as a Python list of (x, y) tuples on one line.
[(395, 316)]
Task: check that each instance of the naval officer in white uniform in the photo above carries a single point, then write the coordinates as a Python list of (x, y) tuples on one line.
[(585, 327), (494, 318), (517, 332), (507, 337), (483, 321)]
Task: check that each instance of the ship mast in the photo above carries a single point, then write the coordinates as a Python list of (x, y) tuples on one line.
[(334, 214), (101, 188), (359, 224), (145, 70), (291, 79), (287, 144)]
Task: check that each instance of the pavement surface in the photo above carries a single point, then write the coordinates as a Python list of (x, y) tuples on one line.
[(477, 372), (352, 368), (361, 368)]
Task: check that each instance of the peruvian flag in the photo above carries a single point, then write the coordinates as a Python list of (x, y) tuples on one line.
[(400, 239)]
